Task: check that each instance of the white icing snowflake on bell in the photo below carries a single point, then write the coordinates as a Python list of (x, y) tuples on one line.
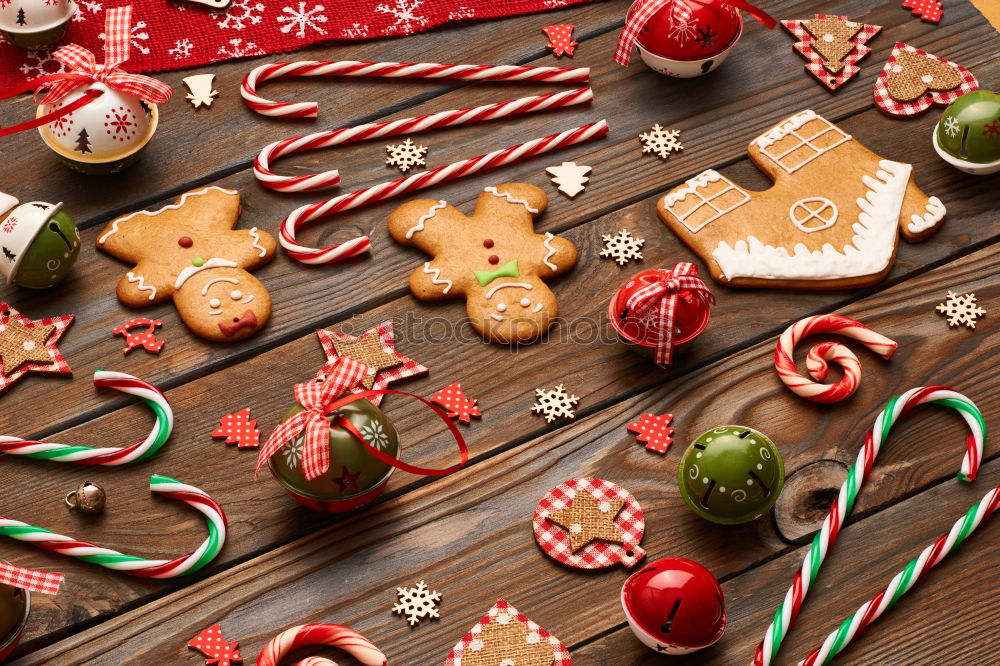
[(32, 24)]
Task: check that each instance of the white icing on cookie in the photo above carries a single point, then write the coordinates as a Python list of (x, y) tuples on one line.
[(790, 128), (492, 291), (248, 299), (419, 226), (504, 195), (538, 307), (869, 252), (920, 223), (501, 307), (191, 270), (204, 290), (435, 274), (691, 187), (548, 246), (256, 242), (131, 277), (801, 214), (153, 213), (497, 317)]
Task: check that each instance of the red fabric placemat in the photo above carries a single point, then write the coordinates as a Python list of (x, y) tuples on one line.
[(174, 35)]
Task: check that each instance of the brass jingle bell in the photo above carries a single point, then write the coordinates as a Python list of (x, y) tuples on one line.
[(88, 498)]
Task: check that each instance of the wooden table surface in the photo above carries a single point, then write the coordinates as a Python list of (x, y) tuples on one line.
[(469, 535)]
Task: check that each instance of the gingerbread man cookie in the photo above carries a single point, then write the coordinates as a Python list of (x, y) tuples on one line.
[(190, 251), (493, 259), (829, 222)]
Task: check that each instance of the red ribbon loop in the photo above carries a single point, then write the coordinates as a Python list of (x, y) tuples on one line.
[(663, 294)]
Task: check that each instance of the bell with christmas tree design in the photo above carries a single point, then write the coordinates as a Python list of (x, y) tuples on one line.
[(968, 134), (38, 241), (33, 24), (14, 606)]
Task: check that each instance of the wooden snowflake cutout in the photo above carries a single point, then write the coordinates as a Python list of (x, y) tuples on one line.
[(555, 403), (453, 399), (417, 602), (406, 155), (654, 430), (238, 429), (622, 247), (660, 141), (961, 309), (570, 177)]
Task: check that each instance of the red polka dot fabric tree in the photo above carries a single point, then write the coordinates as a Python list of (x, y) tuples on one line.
[(654, 430), (239, 429)]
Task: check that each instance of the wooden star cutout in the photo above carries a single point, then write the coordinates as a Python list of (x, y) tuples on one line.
[(588, 519), (381, 344), (30, 346)]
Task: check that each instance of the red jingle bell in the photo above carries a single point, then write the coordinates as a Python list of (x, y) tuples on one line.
[(674, 606)]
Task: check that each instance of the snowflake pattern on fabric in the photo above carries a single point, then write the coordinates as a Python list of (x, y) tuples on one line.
[(39, 62), (961, 309), (417, 602), (240, 14), (356, 31), (405, 13), (182, 49), (137, 37), (554, 403), (83, 6), (622, 247), (405, 155), (660, 141), (238, 49), (375, 435), (302, 19)]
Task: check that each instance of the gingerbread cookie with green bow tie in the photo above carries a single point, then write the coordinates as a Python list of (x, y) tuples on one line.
[(493, 259), (191, 252)]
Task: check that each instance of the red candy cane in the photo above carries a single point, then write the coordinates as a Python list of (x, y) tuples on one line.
[(308, 182), (819, 355), (334, 635)]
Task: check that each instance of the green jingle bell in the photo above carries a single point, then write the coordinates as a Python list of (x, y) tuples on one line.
[(355, 476), (968, 134), (38, 242), (731, 475), (14, 605)]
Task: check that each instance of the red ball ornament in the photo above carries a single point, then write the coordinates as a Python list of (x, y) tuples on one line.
[(674, 606), (704, 29)]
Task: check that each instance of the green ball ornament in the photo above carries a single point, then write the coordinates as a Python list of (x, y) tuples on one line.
[(968, 134), (38, 242), (731, 475)]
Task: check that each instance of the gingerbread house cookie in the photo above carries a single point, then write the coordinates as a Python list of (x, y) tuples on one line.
[(829, 222)]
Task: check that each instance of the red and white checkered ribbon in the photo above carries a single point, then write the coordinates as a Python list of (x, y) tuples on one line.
[(83, 68), (663, 295), (42, 582), (317, 399), (642, 11)]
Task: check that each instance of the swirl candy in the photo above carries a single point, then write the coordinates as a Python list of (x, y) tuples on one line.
[(130, 564), (819, 355), (827, 536), (334, 635), (138, 452)]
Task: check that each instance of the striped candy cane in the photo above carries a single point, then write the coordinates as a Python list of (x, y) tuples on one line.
[(138, 452), (816, 360), (827, 536), (309, 182), (334, 635), (130, 564)]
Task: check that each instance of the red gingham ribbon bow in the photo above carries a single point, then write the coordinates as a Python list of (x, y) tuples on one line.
[(664, 294), (317, 398), (28, 579), (642, 11), (83, 67)]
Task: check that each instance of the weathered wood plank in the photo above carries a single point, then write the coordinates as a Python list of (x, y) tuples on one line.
[(478, 518)]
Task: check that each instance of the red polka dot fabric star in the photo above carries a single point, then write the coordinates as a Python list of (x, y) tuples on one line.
[(239, 429), (217, 650), (560, 39), (453, 399), (927, 10), (654, 430)]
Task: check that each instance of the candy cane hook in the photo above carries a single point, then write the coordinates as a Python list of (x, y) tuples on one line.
[(86, 455), (334, 635), (136, 566), (827, 536)]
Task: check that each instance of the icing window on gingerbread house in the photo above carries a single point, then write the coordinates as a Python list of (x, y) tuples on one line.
[(704, 199), (813, 214), (801, 140)]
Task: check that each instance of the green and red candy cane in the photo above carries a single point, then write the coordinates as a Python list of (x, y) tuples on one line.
[(916, 569)]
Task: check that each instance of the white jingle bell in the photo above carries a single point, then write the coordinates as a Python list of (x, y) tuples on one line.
[(35, 23)]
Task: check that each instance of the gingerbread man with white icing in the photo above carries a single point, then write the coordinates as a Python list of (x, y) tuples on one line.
[(494, 259), (191, 252)]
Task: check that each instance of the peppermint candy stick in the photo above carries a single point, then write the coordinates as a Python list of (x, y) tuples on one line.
[(905, 580), (827, 536), (130, 564), (816, 360), (334, 635), (409, 70), (328, 255), (86, 455)]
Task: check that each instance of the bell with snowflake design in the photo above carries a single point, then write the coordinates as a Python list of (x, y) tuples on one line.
[(14, 606), (33, 24), (39, 242), (968, 134)]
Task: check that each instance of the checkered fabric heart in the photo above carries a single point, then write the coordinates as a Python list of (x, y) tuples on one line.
[(503, 612), (894, 107), (42, 582), (555, 540), (815, 64)]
